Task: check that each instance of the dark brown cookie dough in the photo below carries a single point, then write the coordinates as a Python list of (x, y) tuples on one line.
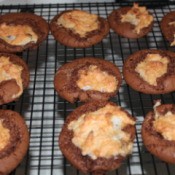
[(70, 38), (154, 141), (164, 84), (65, 81), (12, 153), (168, 27), (35, 22), (86, 163), (9, 86), (126, 29)]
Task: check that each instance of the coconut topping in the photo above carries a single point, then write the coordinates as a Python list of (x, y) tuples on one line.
[(137, 16), (172, 24), (17, 34), (152, 67), (79, 22), (165, 125), (95, 79), (4, 136), (8, 71), (100, 133)]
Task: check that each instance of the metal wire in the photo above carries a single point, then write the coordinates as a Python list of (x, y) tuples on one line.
[(45, 112)]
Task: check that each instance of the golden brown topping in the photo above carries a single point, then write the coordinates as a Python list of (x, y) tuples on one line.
[(152, 67), (17, 34), (96, 79), (172, 23), (173, 42), (9, 71), (165, 125), (79, 22), (4, 136), (137, 16), (100, 134)]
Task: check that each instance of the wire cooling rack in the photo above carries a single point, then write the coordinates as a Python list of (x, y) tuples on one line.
[(45, 112)]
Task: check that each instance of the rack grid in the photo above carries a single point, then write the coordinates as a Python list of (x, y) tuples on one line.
[(45, 112)]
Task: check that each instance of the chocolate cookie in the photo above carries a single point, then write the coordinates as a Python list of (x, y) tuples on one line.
[(14, 140), (87, 79), (168, 27), (131, 22), (14, 77), (151, 71), (158, 132), (97, 137), (20, 31), (79, 29)]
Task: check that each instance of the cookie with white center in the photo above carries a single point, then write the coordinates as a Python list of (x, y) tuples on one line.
[(78, 29), (168, 27), (131, 22), (14, 140), (87, 79), (20, 31), (158, 132), (97, 137), (14, 77), (150, 71)]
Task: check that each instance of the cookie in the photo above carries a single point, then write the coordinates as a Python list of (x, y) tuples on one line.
[(78, 29), (150, 71), (20, 31), (131, 22), (14, 77), (167, 25), (97, 137), (158, 132), (87, 79), (14, 140)]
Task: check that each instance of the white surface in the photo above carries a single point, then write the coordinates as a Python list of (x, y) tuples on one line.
[(15, 2)]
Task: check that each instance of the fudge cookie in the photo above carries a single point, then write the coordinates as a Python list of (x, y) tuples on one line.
[(14, 77), (131, 22), (168, 27), (158, 132), (14, 140), (151, 71), (79, 29), (87, 79), (97, 137), (20, 31)]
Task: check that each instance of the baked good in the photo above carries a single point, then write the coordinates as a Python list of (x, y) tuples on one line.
[(14, 77), (131, 22), (158, 132), (14, 140), (87, 79), (167, 25), (150, 71), (97, 137), (78, 29), (20, 31)]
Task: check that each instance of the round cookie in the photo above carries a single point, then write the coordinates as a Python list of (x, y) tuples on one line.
[(20, 31), (87, 79), (167, 25), (14, 77), (97, 137), (157, 132), (78, 29), (150, 71), (14, 140), (131, 22)]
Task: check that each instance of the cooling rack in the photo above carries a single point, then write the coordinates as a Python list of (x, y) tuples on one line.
[(44, 111)]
